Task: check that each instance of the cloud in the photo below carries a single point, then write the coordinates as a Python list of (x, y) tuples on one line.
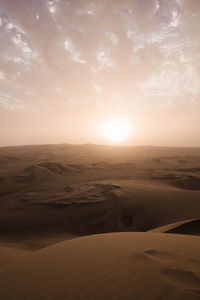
[(191, 6), (75, 55), (16, 46), (112, 37), (10, 103), (130, 47), (2, 75), (104, 59)]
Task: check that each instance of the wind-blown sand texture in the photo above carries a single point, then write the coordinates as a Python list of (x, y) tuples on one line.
[(55, 193)]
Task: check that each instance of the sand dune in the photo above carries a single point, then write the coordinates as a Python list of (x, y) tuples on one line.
[(191, 227), (10, 254), (108, 266), (55, 193), (97, 207), (45, 169), (187, 182), (66, 190)]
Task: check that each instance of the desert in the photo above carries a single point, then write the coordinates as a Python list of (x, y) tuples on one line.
[(99, 222), (99, 150)]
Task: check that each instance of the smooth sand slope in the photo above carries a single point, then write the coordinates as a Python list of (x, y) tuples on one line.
[(8, 254), (109, 266)]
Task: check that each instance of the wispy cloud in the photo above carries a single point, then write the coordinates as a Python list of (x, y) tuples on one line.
[(74, 54)]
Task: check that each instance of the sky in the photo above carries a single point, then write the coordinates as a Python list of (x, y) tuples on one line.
[(68, 65)]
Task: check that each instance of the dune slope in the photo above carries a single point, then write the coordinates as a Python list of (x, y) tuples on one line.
[(183, 227), (108, 266), (10, 254), (95, 207)]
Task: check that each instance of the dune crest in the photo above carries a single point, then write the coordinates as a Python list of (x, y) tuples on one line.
[(191, 227)]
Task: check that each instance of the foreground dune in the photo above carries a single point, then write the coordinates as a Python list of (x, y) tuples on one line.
[(108, 266), (10, 254)]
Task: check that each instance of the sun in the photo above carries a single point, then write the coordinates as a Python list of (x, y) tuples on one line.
[(116, 130)]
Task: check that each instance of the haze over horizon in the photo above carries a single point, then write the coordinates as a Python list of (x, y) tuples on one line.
[(67, 66)]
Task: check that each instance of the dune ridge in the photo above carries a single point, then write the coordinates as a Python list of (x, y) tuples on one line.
[(191, 227)]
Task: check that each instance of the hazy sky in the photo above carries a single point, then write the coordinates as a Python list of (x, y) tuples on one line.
[(65, 66)]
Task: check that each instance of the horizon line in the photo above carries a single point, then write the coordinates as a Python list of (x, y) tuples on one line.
[(99, 145)]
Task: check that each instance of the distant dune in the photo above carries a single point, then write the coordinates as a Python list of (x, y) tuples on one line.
[(55, 193)]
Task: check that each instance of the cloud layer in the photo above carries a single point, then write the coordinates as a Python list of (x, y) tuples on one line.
[(115, 55)]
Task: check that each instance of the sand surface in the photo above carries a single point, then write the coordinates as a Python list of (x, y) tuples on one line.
[(9, 254), (109, 266), (191, 227), (55, 193)]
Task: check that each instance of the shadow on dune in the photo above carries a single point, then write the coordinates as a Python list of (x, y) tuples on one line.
[(191, 228), (47, 169), (187, 182), (98, 207)]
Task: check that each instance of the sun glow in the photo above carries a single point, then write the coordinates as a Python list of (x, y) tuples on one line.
[(116, 130)]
